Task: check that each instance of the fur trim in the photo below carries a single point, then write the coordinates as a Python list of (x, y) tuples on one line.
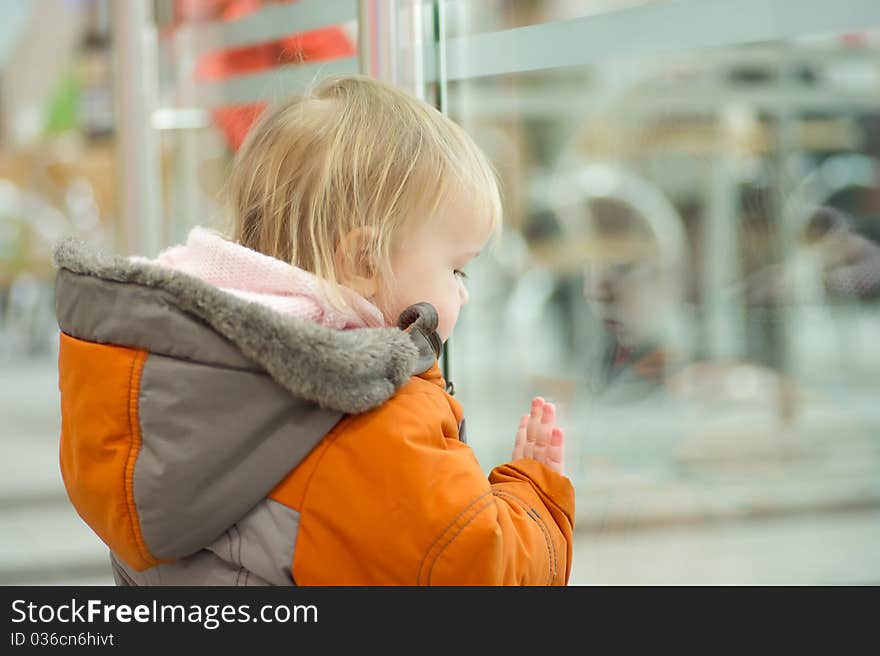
[(349, 371)]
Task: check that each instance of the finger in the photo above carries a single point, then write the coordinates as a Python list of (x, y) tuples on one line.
[(542, 441), (537, 407), (549, 414), (519, 443), (533, 427), (555, 456)]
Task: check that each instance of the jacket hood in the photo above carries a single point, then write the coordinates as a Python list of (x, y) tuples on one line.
[(199, 401), (111, 299)]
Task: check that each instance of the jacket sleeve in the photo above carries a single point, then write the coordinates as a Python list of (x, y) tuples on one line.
[(395, 499)]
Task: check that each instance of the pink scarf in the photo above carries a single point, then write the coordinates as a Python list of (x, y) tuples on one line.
[(255, 277)]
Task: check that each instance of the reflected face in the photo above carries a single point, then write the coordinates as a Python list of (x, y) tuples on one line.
[(631, 298), (626, 281)]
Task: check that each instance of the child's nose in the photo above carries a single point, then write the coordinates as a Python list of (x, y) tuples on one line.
[(463, 294)]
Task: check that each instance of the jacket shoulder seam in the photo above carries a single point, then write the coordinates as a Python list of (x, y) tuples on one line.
[(330, 438), (327, 443)]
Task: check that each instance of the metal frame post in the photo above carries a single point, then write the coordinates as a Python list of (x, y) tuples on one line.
[(135, 82)]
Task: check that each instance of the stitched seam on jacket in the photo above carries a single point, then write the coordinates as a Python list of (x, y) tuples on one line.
[(445, 530), (554, 562), (488, 503), (134, 447), (117, 569), (231, 534), (328, 439), (551, 552), (546, 494), (241, 569)]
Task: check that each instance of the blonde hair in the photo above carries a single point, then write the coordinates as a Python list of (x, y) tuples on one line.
[(352, 154)]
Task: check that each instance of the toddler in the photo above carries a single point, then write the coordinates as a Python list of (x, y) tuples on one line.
[(267, 409)]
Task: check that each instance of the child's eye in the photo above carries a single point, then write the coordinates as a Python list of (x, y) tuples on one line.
[(460, 274)]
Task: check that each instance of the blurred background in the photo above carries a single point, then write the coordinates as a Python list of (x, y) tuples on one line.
[(690, 266)]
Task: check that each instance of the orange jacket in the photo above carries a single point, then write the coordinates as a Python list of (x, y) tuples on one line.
[(210, 440)]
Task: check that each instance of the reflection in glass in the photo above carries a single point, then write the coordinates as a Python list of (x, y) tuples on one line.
[(692, 272)]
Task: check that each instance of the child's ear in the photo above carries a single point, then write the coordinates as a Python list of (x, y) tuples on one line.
[(356, 262)]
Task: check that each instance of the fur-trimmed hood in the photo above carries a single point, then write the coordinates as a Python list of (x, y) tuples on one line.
[(349, 371)]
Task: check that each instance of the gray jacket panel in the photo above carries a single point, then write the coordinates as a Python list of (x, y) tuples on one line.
[(214, 442)]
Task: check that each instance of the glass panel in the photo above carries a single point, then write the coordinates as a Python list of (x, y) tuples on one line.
[(691, 270)]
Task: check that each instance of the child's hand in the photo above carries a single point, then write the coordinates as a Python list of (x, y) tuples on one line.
[(539, 438)]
